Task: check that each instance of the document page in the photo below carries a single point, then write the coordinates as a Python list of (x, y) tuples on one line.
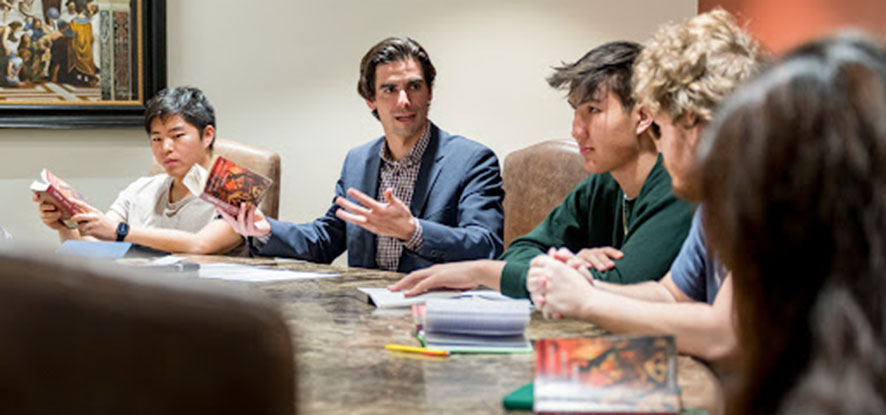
[(237, 272)]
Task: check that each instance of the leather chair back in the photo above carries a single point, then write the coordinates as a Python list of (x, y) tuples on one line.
[(112, 341), (536, 179), (264, 162)]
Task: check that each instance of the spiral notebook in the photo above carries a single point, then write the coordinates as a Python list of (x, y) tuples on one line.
[(474, 325)]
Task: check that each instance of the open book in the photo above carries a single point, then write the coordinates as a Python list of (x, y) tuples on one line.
[(385, 298), (227, 185), (474, 324), (51, 189), (607, 374)]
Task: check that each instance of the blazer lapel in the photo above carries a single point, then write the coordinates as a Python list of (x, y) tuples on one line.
[(428, 173), (369, 185)]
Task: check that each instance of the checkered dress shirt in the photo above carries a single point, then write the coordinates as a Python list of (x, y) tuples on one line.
[(400, 175)]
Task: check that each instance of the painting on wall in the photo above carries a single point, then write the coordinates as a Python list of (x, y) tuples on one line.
[(80, 63)]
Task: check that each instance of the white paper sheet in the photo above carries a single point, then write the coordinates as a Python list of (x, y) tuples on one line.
[(237, 272), (195, 179), (166, 260)]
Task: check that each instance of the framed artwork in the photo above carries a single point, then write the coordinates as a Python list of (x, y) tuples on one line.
[(80, 63)]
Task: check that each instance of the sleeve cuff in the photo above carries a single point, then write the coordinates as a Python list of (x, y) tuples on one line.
[(415, 241), (513, 279), (263, 240), (256, 243)]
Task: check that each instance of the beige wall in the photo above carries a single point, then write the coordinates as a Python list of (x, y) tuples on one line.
[(282, 74)]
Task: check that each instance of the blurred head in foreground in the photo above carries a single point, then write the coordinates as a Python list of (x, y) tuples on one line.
[(794, 184)]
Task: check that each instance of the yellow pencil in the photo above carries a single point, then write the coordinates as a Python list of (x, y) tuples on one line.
[(413, 349)]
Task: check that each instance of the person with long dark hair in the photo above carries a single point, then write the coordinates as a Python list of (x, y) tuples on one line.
[(794, 188)]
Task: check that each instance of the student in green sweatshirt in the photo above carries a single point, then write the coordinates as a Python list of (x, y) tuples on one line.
[(623, 220), (693, 301)]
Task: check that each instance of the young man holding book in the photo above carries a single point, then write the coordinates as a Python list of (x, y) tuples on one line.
[(415, 197), (626, 203), (159, 211), (681, 76)]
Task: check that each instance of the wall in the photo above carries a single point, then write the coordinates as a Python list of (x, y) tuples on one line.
[(783, 24), (282, 74)]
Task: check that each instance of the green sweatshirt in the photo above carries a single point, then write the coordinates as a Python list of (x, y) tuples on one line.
[(591, 217)]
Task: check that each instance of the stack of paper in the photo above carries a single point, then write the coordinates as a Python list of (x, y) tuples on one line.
[(475, 324)]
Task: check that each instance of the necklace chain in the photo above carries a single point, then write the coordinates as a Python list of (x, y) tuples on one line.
[(624, 215)]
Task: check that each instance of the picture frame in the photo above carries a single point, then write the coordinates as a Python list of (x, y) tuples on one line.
[(62, 88)]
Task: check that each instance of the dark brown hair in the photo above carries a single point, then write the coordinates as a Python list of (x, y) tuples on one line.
[(392, 49), (794, 186), (605, 68)]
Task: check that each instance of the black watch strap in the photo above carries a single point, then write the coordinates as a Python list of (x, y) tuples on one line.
[(122, 231)]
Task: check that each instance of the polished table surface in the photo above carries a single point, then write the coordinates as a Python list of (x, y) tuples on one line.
[(343, 367)]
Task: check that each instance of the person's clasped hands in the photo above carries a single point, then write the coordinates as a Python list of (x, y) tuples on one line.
[(560, 283)]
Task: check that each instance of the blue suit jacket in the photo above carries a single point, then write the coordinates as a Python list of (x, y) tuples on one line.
[(457, 199)]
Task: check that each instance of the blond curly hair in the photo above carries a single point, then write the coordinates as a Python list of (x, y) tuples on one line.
[(691, 67)]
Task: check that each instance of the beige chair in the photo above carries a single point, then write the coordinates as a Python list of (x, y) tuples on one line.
[(110, 341), (262, 161), (536, 179)]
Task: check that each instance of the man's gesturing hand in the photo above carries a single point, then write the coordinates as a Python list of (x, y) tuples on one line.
[(392, 218)]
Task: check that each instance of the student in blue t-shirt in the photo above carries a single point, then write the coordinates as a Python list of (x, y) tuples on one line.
[(694, 299), (696, 272)]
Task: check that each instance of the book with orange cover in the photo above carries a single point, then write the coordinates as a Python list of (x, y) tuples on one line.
[(607, 374), (56, 191), (230, 184)]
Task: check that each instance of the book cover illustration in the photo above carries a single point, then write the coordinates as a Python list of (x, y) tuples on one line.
[(607, 374), (230, 184), (56, 191)]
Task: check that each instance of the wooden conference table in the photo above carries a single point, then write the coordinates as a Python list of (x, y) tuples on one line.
[(343, 367)]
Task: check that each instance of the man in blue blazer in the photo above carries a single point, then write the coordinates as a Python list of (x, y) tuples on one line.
[(418, 195)]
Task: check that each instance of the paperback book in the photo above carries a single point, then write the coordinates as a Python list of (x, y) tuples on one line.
[(385, 298), (49, 188), (607, 374), (229, 185), (474, 324)]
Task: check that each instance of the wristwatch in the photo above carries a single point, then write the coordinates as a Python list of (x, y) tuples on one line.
[(122, 231)]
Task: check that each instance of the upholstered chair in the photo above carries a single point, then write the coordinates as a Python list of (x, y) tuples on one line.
[(115, 340), (535, 180), (264, 162)]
